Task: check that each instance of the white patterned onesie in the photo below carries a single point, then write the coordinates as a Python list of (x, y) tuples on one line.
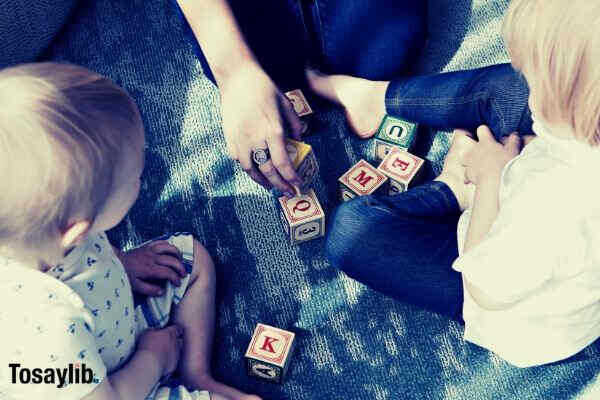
[(81, 312)]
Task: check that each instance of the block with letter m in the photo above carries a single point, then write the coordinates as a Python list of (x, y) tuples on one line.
[(360, 180)]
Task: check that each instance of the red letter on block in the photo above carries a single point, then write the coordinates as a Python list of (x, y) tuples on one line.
[(302, 205), (267, 345), (362, 178), (399, 163)]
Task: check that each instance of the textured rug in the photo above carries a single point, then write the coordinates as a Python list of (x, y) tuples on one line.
[(353, 343)]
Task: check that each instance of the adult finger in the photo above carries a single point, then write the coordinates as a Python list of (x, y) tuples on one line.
[(271, 173), (146, 288), (296, 126), (249, 167), (281, 161), (484, 134)]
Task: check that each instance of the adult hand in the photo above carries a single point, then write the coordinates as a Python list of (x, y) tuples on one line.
[(488, 157), (165, 345), (154, 261), (256, 115)]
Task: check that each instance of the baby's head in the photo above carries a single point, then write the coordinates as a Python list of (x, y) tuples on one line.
[(556, 45), (71, 156)]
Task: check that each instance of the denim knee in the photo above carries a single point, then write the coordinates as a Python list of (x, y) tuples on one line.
[(506, 101), (349, 225)]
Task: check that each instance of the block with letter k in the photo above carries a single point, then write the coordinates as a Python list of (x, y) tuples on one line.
[(268, 353)]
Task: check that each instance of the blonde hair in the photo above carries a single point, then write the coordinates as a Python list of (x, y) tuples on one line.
[(63, 130), (556, 45)]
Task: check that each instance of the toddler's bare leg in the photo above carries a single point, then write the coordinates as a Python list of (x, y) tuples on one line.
[(196, 314)]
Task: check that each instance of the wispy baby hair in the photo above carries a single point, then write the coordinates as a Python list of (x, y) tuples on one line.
[(63, 130), (556, 45)]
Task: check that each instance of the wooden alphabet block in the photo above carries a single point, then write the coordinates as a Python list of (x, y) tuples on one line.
[(360, 180), (394, 132), (299, 102), (304, 162), (400, 167), (303, 217), (268, 354)]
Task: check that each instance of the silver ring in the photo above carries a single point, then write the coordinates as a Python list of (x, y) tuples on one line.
[(260, 156)]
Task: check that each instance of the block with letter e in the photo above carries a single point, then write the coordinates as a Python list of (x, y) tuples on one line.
[(360, 180), (401, 168), (394, 133), (303, 217), (269, 352), (304, 162)]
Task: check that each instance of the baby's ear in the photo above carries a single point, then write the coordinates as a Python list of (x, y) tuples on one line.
[(74, 233)]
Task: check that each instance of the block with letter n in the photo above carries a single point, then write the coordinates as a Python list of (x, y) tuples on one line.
[(302, 217), (299, 102), (301, 107), (304, 162), (360, 180), (394, 133), (269, 353), (402, 168)]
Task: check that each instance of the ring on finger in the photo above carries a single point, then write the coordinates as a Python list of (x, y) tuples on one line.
[(260, 156)]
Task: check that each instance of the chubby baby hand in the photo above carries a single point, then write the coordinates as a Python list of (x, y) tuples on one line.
[(147, 265)]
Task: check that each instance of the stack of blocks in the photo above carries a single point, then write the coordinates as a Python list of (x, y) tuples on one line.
[(394, 133), (395, 173)]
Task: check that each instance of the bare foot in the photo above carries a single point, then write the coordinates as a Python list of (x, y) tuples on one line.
[(453, 173), (363, 100)]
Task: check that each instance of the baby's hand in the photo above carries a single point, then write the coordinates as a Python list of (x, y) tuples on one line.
[(158, 260), (165, 344), (488, 157)]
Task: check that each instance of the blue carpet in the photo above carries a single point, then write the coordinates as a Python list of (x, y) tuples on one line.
[(353, 343)]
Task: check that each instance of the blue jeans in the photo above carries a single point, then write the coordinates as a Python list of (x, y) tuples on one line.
[(402, 246), (496, 96), (370, 39)]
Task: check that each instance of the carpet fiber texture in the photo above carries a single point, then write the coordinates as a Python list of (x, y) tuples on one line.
[(353, 343)]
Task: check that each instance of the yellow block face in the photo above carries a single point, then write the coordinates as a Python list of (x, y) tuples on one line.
[(297, 151)]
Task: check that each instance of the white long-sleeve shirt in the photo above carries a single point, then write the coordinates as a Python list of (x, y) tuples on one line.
[(542, 253)]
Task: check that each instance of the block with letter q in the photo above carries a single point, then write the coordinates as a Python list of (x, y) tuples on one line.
[(302, 217)]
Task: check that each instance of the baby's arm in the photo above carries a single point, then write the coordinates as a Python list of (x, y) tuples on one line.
[(134, 381), (156, 261), (157, 354)]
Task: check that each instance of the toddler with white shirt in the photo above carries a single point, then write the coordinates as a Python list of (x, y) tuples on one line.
[(505, 241)]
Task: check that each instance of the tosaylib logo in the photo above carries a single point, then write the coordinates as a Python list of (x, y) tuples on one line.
[(55, 376)]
